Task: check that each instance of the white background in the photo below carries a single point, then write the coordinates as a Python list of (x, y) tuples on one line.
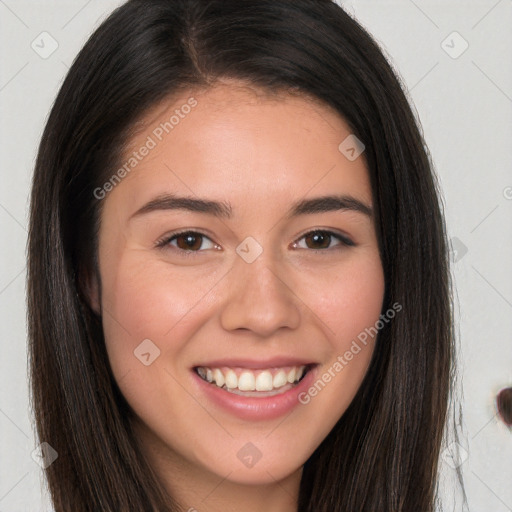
[(465, 107)]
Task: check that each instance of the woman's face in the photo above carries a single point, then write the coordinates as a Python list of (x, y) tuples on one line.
[(269, 282)]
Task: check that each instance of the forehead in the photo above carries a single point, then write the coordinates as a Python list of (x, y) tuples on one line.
[(233, 139)]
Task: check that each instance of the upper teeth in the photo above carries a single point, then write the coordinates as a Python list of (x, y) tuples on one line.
[(251, 380)]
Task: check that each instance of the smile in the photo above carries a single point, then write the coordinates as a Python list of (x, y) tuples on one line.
[(253, 382), (253, 390)]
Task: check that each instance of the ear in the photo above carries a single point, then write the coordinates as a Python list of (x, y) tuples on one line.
[(90, 286)]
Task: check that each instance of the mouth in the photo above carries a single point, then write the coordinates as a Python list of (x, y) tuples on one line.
[(254, 382), (254, 390)]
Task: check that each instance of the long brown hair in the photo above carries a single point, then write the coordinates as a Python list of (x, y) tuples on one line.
[(383, 453)]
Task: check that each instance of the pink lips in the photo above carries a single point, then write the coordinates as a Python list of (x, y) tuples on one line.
[(255, 408)]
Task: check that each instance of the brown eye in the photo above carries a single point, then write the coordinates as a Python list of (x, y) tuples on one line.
[(321, 239), (188, 241)]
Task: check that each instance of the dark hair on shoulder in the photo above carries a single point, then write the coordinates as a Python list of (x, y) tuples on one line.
[(383, 453)]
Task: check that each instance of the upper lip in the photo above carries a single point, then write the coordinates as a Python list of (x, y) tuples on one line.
[(274, 362)]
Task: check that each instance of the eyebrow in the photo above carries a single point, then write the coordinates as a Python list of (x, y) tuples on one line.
[(224, 210)]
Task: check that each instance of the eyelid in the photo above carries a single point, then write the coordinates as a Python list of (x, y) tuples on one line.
[(341, 237), (166, 239)]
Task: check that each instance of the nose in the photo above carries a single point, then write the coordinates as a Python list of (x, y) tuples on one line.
[(259, 299)]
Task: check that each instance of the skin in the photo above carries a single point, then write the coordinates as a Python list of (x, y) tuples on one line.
[(261, 154)]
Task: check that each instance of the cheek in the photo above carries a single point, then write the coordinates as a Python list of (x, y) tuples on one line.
[(348, 300), (349, 304), (143, 299), (150, 312)]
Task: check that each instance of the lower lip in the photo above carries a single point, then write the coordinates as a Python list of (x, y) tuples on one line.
[(254, 408)]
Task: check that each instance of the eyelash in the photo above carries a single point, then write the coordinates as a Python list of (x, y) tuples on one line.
[(165, 241)]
